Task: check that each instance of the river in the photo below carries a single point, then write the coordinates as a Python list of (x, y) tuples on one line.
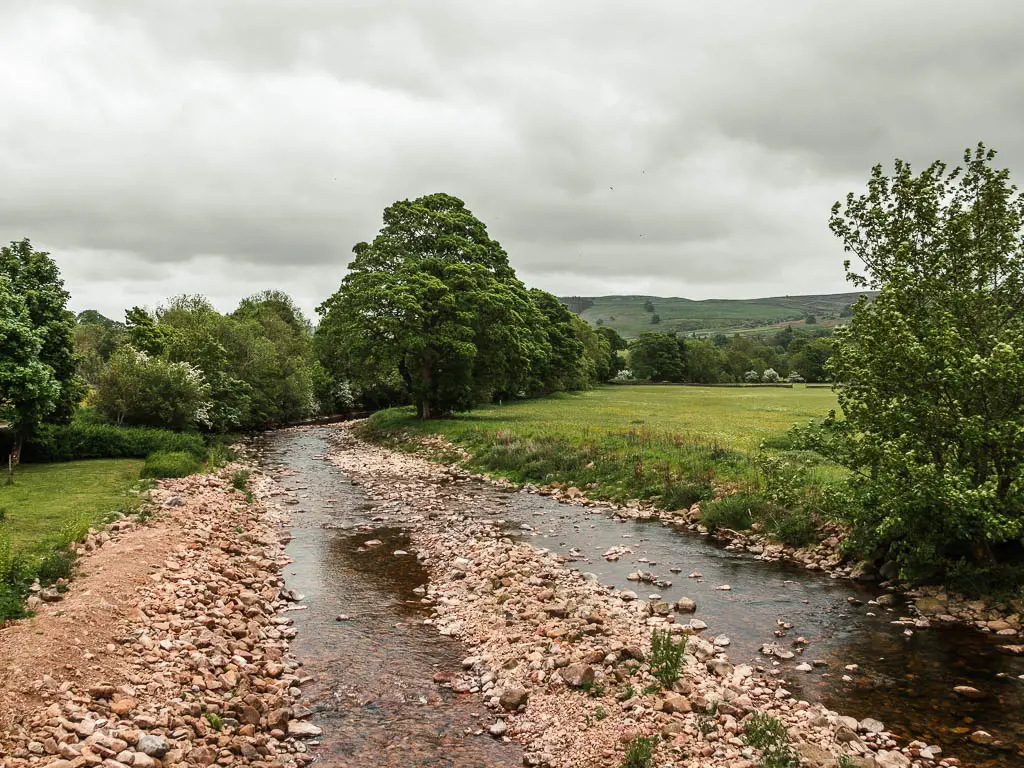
[(375, 693)]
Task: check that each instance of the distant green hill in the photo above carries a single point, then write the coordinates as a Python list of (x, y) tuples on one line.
[(632, 315)]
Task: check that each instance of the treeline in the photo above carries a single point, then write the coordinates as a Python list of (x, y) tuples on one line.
[(430, 313), (789, 354)]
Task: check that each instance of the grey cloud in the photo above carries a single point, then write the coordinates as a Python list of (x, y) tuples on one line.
[(652, 147)]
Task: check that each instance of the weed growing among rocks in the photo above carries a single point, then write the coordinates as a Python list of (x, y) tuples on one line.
[(666, 657)]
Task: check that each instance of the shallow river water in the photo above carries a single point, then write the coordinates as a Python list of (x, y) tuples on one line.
[(374, 692)]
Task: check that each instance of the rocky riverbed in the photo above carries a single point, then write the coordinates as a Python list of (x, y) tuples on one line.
[(560, 660)]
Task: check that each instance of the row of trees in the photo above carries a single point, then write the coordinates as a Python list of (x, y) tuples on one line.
[(430, 313), (790, 354)]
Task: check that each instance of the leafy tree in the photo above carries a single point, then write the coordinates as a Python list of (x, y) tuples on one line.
[(648, 306), (34, 276), (29, 390), (655, 318), (656, 357), (770, 376), (96, 339), (616, 343), (561, 366), (704, 362), (138, 389), (433, 297), (810, 319), (932, 370)]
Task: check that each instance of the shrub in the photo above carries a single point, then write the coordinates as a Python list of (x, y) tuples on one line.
[(683, 495), (733, 512), (770, 376), (795, 378), (666, 657), (80, 440), (795, 527), (171, 464), (240, 479), (640, 752), (138, 389), (768, 734), (751, 377)]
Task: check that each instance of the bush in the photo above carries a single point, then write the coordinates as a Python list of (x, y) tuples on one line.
[(684, 495), (768, 734), (80, 440), (666, 657), (171, 464), (751, 377), (795, 527), (770, 376), (136, 388), (733, 512), (640, 752)]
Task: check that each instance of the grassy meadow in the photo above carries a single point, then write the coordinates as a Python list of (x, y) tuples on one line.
[(676, 443), (48, 498)]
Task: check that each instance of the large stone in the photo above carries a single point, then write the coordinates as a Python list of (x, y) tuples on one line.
[(813, 756), (513, 698), (578, 675), (929, 606), (685, 605), (892, 759), (968, 692), (676, 703), (154, 746), (300, 729)]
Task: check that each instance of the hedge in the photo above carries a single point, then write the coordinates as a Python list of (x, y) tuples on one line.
[(78, 440)]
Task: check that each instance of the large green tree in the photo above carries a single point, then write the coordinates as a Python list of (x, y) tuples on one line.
[(656, 357), (28, 388), (34, 276), (932, 370), (434, 300)]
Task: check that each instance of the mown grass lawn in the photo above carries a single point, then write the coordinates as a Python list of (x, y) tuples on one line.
[(46, 498), (631, 441)]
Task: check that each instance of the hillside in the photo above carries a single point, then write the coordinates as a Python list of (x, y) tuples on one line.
[(631, 315)]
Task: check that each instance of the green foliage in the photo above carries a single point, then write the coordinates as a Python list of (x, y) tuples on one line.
[(768, 734), (171, 464), (80, 440), (932, 370), (28, 388), (34, 277), (140, 390), (216, 721), (640, 752), (656, 357), (600, 713), (683, 494), (733, 512), (433, 300), (666, 657), (240, 479)]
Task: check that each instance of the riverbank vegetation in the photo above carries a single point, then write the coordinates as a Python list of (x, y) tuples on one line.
[(674, 445), (51, 507)]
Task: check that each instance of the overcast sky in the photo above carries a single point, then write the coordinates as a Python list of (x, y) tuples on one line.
[(669, 148)]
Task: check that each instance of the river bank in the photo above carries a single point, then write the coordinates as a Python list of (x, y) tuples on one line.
[(170, 648), (548, 637)]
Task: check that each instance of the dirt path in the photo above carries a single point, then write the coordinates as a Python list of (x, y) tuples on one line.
[(168, 650)]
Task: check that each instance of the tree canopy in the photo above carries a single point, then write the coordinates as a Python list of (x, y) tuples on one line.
[(932, 370), (433, 308)]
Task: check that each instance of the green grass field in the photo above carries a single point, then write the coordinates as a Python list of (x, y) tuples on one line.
[(47, 498), (629, 441)]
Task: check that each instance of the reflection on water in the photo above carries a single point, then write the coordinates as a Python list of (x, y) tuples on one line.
[(384, 663)]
